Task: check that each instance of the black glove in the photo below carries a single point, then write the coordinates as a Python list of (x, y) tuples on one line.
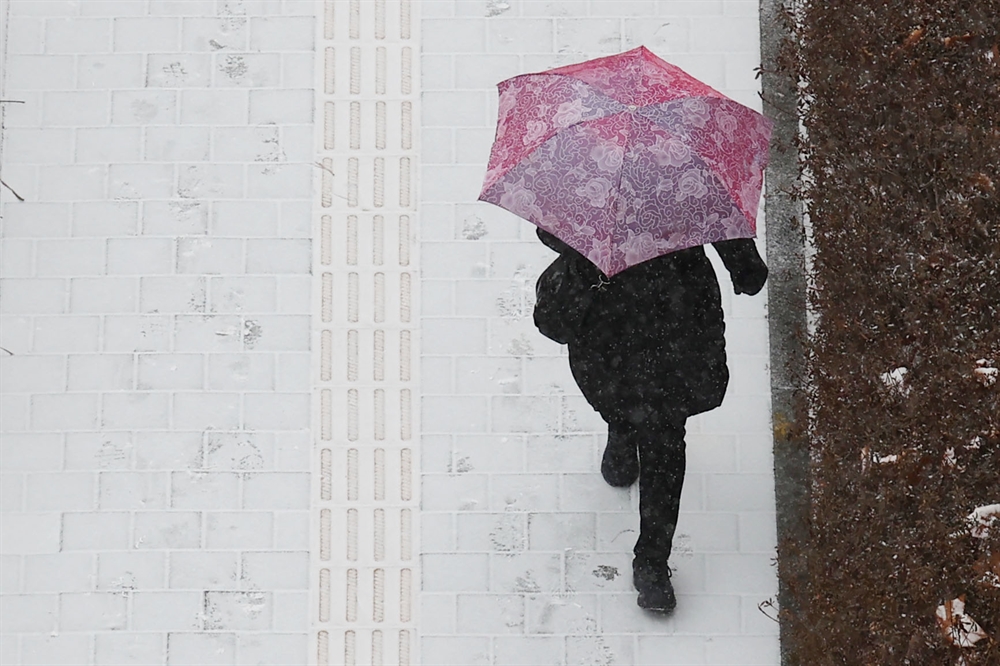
[(747, 270)]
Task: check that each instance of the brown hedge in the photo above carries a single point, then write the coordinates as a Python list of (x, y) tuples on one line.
[(900, 157)]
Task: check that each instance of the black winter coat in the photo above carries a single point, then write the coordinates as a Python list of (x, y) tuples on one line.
[(648, 342)]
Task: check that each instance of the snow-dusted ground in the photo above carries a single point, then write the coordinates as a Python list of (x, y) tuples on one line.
[(161, 486)]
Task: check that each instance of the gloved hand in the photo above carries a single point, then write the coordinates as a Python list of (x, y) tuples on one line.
[(750, 280)]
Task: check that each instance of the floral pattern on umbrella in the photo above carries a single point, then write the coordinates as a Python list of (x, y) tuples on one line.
[(627, 158)]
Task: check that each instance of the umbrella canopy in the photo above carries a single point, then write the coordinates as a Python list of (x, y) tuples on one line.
[(626, 158)]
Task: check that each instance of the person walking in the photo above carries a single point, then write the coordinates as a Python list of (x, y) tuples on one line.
[(647, 349)]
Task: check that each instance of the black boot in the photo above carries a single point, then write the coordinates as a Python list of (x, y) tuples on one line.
[(656, 594), (620, 464)]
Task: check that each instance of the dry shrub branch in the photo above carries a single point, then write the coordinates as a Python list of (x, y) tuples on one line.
[(900, 157)]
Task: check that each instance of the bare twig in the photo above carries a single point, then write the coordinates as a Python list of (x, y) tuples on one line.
[(19, 197)]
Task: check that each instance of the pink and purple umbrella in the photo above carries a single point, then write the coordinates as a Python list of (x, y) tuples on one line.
[(627, 158)]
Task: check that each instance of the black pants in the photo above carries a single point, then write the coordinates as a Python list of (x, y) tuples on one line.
[(662, 463)]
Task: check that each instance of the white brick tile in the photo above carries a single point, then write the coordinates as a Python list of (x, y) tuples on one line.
[(59, 572), (77, 35), (516, 413), (600, 648), (95, 531), (282, 33), (169, 218), (742, 650), (667, 36), (497, 532), (103, 295), (128, 648), (16, 256), (110, 71), (198, 490), (174, 144), (30, 533), (473, 145), (239, 451), (562, 453), (436, 374), (291, 181), (529, 651), (143, 107), (112, 8), (236, 372), (437, 616), (696, 612), (745, 573), (276, 333), (136, 491), (490, 613), (671, 650), (69, 257), (524, 492), (204, 649), (71, 183), (292, 530), (36, 296), (711, 532), (167, 529), (238, 610), (276, 490), (281, 106), (278, 256), (107, 145), (598, 572), (64, 411), (244, 218), (24, 35), (105, 218), (617, 532), (435, 454), (488, 453), (260, 143), (214, 107), (447, 414), (173, 294), (526, 573), (196, 181), (454, 109), (33, 373), (11, 492), (454, 492), (581, 492), (140, 256), (36, 220), (454, 335), (437, 148), (40, 146), (246, 70), (166, 611), (145, 35), (108, 372), (28, 613), (456, 650), (178, 70), (293, 450), (55, 649), (168, 450), (453, 36), (690, 7), (209, 256), (135, 410), (294, 372), (141, 181), (276, 570), (60, 491), (208, 333), (136, 333), (98, 450), (559, 531), (15, 332), (297, 70), (757, 532), (130, 570), (40, 72), (437, 532), (291, 611), (276, 411), (15, 409), (294, 294), (455, 260), (244, 530), (272, 648), (93, 611), (740, 492), (507, 35), (202, 570), (578, 416), (437, 72), (212, 34), (199, 411)]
